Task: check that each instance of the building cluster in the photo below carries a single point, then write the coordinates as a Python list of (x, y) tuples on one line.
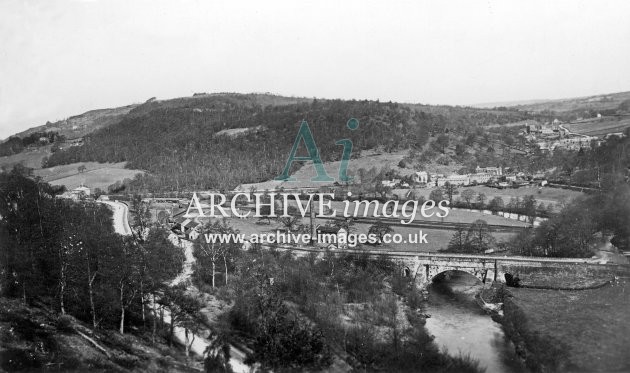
[(482, 175), (551, 136), (79, 193)]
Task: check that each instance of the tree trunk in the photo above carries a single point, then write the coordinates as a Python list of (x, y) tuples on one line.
[(226, 270), (91, 294), (122, 309), (161, 317), (62, 281), (154, 320), (213, 272), (172, 331), (62, 290), (142, 302), (186, 342)]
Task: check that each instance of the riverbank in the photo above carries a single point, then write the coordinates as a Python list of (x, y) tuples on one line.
[(572, 331), (461, 326)]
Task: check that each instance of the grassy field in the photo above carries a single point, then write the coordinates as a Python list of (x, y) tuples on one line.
[(30, 158), (593, 323), (545, 194), (367, 160), (437, 239), (96, 175), (600, 127)]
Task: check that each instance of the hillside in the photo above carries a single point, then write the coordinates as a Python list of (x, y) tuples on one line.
[(34, 338), (82, 124), (222, 140), (175, 141), (597, 103)]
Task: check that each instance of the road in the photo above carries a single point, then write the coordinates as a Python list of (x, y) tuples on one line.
[(199, 345), (121, 217)]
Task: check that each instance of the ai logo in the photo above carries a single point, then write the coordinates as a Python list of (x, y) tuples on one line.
[(306, 135)]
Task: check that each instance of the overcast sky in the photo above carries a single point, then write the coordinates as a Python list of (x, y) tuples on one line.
[(61, 58)]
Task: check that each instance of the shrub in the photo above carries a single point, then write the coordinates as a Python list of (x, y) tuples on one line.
[(65, 323)]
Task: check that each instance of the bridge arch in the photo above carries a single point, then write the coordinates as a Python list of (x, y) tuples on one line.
[(406, 271), (428, 272), (454, 273)]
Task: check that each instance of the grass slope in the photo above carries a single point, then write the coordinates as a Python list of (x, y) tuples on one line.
[(34, 339), (593, 323)]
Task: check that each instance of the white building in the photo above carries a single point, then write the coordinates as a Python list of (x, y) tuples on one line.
[(421, 177), (453, 180), (489, 170), (480, 178)]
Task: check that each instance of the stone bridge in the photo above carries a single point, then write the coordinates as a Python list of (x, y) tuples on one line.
[(424, 267)]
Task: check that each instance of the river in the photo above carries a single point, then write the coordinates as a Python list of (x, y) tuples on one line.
[(461, 326)]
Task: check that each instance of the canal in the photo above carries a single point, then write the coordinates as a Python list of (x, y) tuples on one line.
[(462, 327)]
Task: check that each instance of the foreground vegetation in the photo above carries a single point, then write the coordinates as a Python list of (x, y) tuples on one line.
[(309, 312), (583, 330)]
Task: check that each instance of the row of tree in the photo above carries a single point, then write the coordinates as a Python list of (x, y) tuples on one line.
[(66, 253)]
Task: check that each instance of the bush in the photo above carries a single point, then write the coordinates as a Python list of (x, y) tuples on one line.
[(65, 323)]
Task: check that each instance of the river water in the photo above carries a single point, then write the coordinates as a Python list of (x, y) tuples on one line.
[(461, 326)]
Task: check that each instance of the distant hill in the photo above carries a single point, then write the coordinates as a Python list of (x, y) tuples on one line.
[(82, 124), (490, 105), (221, 140), (598, 103), (176, 140)]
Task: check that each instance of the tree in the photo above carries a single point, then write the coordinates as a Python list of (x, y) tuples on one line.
[(217, 355), (162, 261), (380, 229), (541, 210), (479, 237), (209, 253), (459, 242), (460, 149), (481, 199), (184, 311), (292, 219), (436, 195), (265, 214), (141, 218), (450, 190), (442, 142), (529, 208), (468, 195), (283, 340), (496, 204)]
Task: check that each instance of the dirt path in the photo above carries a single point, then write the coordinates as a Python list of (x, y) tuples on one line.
[(200, 343)]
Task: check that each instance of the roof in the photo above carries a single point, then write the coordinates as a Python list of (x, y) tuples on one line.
[(329, 229)]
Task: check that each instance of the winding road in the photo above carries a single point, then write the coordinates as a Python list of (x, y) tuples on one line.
[(199, 344), (121, 217)]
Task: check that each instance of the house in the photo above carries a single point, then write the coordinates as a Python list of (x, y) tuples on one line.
[(480, 178), (498, 171), (332, 237), (546, 131), (453, 180), (77, 193), (421, 177), (82, 190), (187, 228), (390, 183)]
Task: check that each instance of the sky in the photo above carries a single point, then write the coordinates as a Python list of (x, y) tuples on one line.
[(62, 58)]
